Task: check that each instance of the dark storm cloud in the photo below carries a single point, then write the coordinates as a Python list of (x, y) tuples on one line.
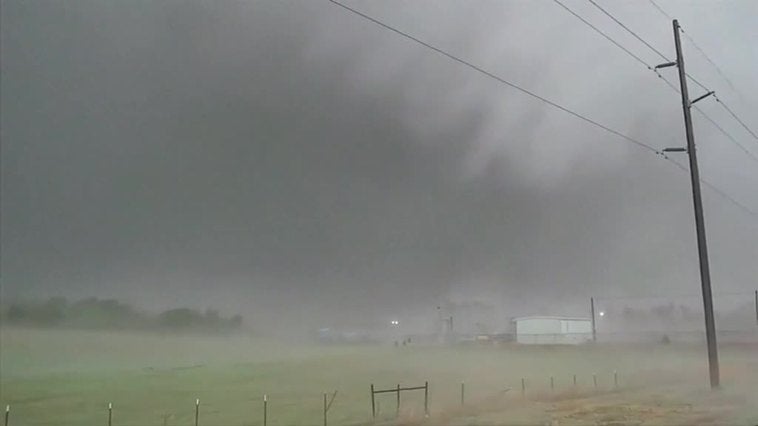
[(288, 157)]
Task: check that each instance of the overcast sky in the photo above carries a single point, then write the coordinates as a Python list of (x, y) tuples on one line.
[(289, 158)]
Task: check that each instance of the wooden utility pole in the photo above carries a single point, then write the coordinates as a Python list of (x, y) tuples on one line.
[(592, 316), (702, 247)]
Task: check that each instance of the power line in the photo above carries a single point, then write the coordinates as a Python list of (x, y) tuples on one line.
[(607, 37), (707, 58), (497, 78), (670, 296), (668, 83), (725, 133), (617, 44), (702, 52), (620, 46), (661, 10), (696, 81), (536, 96), (737, 118), (716, 189), (716, 67), (629, 30)]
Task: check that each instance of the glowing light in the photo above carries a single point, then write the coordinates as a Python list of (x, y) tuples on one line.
[(602, 314)]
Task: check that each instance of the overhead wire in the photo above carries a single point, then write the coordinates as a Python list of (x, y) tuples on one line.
[(718, 69), (643, 41), (699, 49), (668, 83), (670, 296), (606, 36), (707, 58), (727, 134), (608, 14), (661, 10), (699, 110), (554, 104), (715, 189), (739, 120), (498, 78)]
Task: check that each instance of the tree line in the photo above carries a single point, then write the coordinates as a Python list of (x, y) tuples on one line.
[(111, 314)]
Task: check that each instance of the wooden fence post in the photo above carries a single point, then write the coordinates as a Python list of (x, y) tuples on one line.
[(265, 409), (7, 414), (523, 387), (110, 414), (373, 404), (426, 399), (594, 379), (397, 410), (552, 383), (328, 405), (615, 379), (197, 410), (463, 391)]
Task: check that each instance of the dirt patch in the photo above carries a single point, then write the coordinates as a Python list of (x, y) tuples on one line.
[(636, 409)]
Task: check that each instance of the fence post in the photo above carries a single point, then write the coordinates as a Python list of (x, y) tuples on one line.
[(552, 383), (574, 379), (265, 409), (397, 410), (426, 399), (463, 391), (197, 410), (110, 414), (7, 414), (324, 409), (615, 379), (594, 380), (373, 405)]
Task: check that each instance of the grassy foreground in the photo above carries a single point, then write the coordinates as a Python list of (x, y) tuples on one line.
[(69, 377)]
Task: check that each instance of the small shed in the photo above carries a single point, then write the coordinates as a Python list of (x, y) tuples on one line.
[(551, 330)]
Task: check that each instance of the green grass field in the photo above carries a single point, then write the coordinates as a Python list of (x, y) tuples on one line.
[(68, 378)]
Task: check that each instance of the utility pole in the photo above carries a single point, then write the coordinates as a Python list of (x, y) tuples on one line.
[(592, 316), (702, 248), (756, 307)]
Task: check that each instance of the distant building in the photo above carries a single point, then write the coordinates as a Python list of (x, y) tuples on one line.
[(547, 330)]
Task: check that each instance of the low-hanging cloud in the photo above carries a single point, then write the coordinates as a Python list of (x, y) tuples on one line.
[(268, 154)]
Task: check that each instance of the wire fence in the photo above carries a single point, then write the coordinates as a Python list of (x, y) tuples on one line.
[(472, 396)]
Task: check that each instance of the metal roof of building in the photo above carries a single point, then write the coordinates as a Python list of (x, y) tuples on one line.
[(550, 318)]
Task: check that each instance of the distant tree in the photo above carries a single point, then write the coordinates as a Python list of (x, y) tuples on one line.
[(94, 313), (212, 319), (49, 313), (16, 314), (665, 312), (181, 318), (236, 321), (108, 313)]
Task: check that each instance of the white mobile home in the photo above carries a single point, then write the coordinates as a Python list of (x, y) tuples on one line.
[(547, 330)]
